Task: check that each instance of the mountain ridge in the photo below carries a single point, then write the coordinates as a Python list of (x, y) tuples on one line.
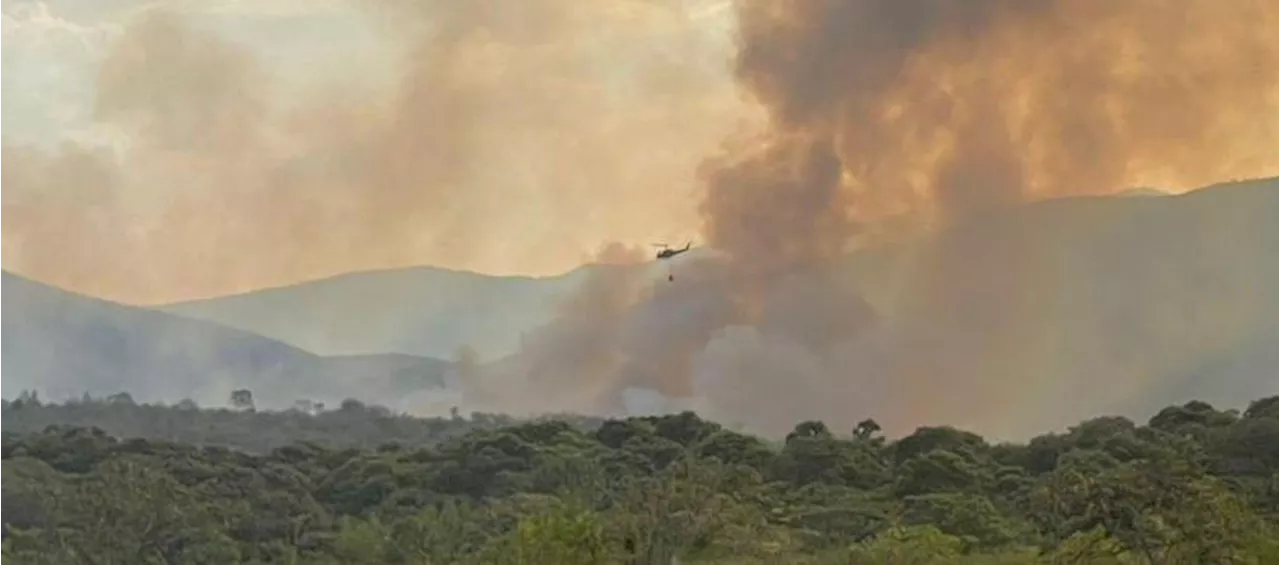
[(376, 301), (67, 344)]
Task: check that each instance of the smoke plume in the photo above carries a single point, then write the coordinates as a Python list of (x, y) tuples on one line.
[(928, 114), (521, 133)]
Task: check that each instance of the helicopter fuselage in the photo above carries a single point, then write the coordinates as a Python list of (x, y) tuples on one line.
[(669, 253)]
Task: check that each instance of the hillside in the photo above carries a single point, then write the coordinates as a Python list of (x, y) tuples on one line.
[(64, 345), (1084, 305)]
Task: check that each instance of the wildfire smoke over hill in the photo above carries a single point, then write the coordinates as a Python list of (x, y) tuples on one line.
[(936, 112)]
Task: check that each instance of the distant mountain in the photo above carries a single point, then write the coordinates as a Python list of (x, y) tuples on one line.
[(64, 344), (424, 311), (1154, 299)]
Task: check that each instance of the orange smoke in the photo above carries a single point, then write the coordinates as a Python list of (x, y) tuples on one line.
[(925, 113), (942, 108)]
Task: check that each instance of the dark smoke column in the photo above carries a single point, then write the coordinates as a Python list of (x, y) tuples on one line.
[(885, 113), (937, 109)]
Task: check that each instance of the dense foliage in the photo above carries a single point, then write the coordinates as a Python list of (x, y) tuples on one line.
[(1193, 485)]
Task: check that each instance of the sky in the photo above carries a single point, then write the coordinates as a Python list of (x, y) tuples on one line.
[(52, 50), (505, 141)]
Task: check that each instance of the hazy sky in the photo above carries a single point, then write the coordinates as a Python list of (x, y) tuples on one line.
[(52, 50), (339, 135)]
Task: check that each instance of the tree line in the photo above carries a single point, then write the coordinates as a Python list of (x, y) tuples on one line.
[(112, 481)]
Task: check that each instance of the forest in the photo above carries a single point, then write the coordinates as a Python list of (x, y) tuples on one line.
[(111, 481)]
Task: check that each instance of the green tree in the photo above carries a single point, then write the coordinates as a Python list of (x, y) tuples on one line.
[(562, 536)]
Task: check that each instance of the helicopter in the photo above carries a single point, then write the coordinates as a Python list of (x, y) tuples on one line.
[(667, 253)]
